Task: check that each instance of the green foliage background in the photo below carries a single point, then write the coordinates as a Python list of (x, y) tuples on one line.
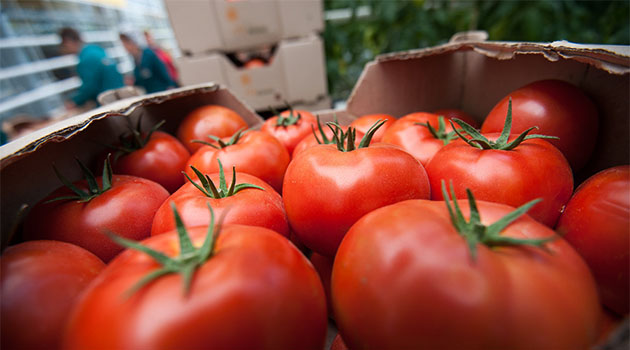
[(403, 25)]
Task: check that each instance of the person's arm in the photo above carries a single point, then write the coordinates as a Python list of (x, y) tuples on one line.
[(89, 70)]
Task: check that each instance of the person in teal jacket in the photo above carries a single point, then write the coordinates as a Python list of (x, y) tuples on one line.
[(97, 71), (150, 72)]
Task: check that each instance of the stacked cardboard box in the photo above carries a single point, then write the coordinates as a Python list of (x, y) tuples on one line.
[(214, 34)]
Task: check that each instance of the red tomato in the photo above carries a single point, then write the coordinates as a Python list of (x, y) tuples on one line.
[(451, 113), (255, 291), (162, 159), (338, 344), (126, 208), (323, 265), (365, 122), (255, 153), (327, 190), (213, 120), (416, 139), (40, 282), (559, 109), (250, 206), (404, 278), (290, 127), (596, 222), (253, 63), (534, 169)]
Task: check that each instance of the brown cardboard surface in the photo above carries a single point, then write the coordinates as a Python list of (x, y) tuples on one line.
[(296, 74), (201, 26), (26, 172), (474, 76)]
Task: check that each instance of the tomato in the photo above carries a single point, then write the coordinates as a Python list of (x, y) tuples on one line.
[(127, 207), (505, 172), (208, 120), (338, 344), (161, 159), (256, 153), (596, 221), (254, 63), (417, 139), (326, 190), (559, 109), (323, 135), (364, 122), (290, 127), (253, 203), (40, 282), (254, 290), (405, 278), (451, 113), (323, 265)]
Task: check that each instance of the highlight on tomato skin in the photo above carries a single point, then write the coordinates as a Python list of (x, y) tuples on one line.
[(596, 222), (215, 120)]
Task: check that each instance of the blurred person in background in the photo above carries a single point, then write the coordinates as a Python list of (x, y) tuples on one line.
[(150, 72), (164, 56), (98, 72)]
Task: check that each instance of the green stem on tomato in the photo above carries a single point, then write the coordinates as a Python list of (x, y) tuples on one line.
[(440, 133), (93, 190), (209, 189), (220, 144), (345, 140)]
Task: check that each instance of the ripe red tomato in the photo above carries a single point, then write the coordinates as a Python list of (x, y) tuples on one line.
[(213, 120), (404, 278), (254, 291), (365, 122), (260, 206), (451, 113), (126, 207), (161, 159), (290, 127), (338, 344), (416, 139), (327, 190), (559, 109), (255, 153), (40, 282), (596, 221), (254, 63)]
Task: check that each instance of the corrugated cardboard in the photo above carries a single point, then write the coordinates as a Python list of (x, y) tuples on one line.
[(297, 74), (201, 26), (26, 173)]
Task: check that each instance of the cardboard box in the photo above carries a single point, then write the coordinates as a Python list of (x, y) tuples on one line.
[(26, 173), (475, 75), (201, 26), (296, 74)]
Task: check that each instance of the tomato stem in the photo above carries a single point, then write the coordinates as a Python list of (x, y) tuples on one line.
[(481, 142), (209, 189), (440, 133), (283, 121), (474, 232), (220, 144), (93, 189), (345, 140)]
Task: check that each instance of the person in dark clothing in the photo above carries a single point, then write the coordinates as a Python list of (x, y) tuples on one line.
[(97, 71), (164, 56), (150, 72)]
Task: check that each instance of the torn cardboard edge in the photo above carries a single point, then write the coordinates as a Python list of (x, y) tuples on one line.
[(67, 128)]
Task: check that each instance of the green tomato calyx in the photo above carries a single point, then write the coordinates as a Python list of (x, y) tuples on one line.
[(481, 142), (209, 189), (220, 144), (189, 260), (93, 189), (284, 121), (324, 139), (345, 140), (474, 232), (134, 140), (441, 133)]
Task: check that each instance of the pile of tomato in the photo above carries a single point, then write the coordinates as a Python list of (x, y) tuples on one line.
[(420, 232)]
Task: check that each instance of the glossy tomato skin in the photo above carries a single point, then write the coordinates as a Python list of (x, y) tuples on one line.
[(326, 190), (424, 291), (126, 209), (596, 222), (40, 282), (291, 135), (162, 160), (365, 122), (208, 120), (250, 206), (256, 153), (417, 140), (256, 292), (534, 169), (451, 113), (559, 109)]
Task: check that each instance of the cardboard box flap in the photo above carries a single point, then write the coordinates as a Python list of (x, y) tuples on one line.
[(612, 58)]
